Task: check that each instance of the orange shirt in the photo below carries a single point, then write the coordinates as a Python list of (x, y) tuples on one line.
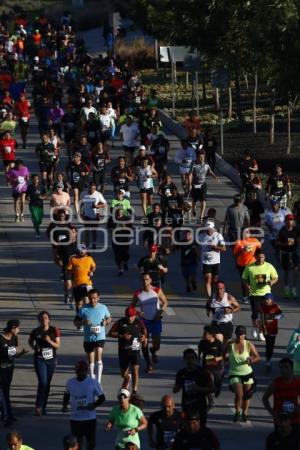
[(81, 267), (244, 251)]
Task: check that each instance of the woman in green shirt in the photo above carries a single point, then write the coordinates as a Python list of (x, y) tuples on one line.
[(15, 441), (128, 419), (241, 354)]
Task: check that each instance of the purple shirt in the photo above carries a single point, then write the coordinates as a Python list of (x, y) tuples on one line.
[(18, 179), (56, 114)]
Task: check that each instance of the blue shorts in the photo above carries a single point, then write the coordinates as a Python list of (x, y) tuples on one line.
[(153, 327)]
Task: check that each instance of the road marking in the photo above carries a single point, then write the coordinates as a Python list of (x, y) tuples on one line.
[(170, 311)]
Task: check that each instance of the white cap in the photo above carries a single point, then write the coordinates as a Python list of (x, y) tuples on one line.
[(210, 224), (124, 392), (142, 147), (36, 58)]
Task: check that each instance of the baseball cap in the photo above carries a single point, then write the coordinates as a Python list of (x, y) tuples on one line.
[(269, 295), (82, 248), (237, 198), (131, 311), (13, 323), (289, 217), (121, 191), (192, 415), (36, 58), (124, 392), (210, 224), (240, 330), (154, 248), (77, 154), (142, 147)]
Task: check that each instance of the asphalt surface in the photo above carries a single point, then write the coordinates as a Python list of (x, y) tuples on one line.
[(29, 283)]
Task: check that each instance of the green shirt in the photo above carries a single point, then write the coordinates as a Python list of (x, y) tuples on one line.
[(258, 277), (125, 421), (124, 204), (25, 447)]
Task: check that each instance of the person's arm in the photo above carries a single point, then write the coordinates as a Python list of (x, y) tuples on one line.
[(150, 426), (100, 400), (265, 399), (55, 344), (163, 300), (212, 174), (234, 303), (114, 331), (66, 400), (294, 342), (273, 277), (141, 426), (134, 301)]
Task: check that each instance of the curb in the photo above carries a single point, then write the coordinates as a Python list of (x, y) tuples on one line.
[(223, 166)]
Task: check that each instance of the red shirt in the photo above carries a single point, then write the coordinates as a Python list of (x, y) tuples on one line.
[(268, 313), (286, 395), (8, 149), (23, 109)]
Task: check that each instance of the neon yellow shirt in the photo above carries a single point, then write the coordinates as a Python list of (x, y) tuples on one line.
[(258, 277)]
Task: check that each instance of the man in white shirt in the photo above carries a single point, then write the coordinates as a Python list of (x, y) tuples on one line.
[(129, 134), (86, 110), (84, 394), (92, 203), (275, 220), (211, 244), (106, 122)]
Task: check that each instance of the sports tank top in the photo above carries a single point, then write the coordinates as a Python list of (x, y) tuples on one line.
[(148, 302), (218, 309), (238, 364)]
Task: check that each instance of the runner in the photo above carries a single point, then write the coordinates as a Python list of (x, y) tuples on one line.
[(195, 383), (44, 341), (22, 108), (278, 186), (92, 204), (270, 313), (85, 395), (128, 419), (184, 157), (8, 147), (189, 261), (70, 442), (36, 194), (288, 245), (80, 269), (164, 424), (221, 308), (153, 303), (121, 203), (275, 220), (211, 244), (77, 172), (121, 176), (94, 317), (236, 219), (258, 278), (293, 349), (9, 350), (198, 172), (154, 265), (100, 158), (146, 174), (18, 178), (284, 436), (15, 441), (120, 227), (131, 333), (244, 253), (47, 157), (129, 133), (210, 148), (241, 354)]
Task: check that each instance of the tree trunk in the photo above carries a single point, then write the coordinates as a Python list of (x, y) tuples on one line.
[(203, 86), (217, 99), (246, 81), (229, 103), (238, 96), (254, 104), (272, 120), (186, 80), (289, 114)]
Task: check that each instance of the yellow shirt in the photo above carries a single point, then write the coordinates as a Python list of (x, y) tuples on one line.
[(258, 276), (81, 268)]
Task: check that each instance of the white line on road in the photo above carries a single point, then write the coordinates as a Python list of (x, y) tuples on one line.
[(170, 311)]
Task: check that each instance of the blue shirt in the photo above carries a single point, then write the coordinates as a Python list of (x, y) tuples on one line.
[(95, 331)]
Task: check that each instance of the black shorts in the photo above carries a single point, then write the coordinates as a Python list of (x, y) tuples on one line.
[(79, 292), (240, 269), (199, 194), (147, 191), (89, 347), (211, 268), (46, 167), (17, 195), (24, 125), (255, 302), (79, 186), (223, 328), (129, 149), (85, 428), (289, 260), (127, 358)]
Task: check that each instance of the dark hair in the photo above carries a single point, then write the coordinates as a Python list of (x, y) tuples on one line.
[(34, 175), (15, 434), (259, 251), (155, 204), (93, 291), (147, 273), (286, 360), (189, 351), (40, 315), (10, 324)]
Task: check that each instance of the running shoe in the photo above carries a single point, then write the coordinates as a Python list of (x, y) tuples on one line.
[(17, 218), (22, 218), (236, 416), (261, 337), (254, 334), (154, 356), (244, 417)]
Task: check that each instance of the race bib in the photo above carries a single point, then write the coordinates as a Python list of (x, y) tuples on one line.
[(186, 162), (188, 385), (62, 237), (288, 407), (169, 437), (76, 177), (122, 180), (135, 344), (219, 313), (24, 119), (95, 329), (167, 192), (279, 184), (197, 186), (11, 351), (291, 241), (21, 180), (261, 279), (81, 403), (47, 353), (7, 149)]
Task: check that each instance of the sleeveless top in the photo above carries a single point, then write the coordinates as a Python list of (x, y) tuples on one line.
[(235, 360), (148, 302), (218, 314)]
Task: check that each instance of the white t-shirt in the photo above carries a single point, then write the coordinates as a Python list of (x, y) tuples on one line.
[(130, 134), (209, 256), (89, 201), (105, 120), (275, 221), (86, 111), (82, 393)]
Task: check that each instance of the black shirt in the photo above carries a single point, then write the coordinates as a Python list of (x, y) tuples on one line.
[(150, 266), (296, 210), (166, 428), (208, 350), (8, 351), (186, 380), (288, 236), (122, 326), (34, 193), (43, 349), (189, 253), (98, 160), (75, 172), (204, 439), (45, 152), (275, 441)]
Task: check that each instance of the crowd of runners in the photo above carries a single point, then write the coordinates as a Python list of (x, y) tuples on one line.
[(82, 105)]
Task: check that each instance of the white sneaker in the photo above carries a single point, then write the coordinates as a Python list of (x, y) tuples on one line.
[(261, 337), (254, 334)]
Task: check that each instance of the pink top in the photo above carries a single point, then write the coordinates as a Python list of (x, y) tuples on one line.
[(18, 179)]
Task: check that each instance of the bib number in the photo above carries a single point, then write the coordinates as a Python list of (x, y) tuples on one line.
[(169, 437), (81, 403), (47, 353), (7, 149), (21, 180), (135, 344), (24, 119), (95, 329), (11, 351), (76, 177)]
